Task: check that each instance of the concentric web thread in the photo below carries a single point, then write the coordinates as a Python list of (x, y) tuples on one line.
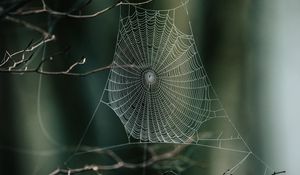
[(159, 88), (160, 91)]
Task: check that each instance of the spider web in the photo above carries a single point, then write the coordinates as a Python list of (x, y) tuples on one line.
[(174, 107), (180, 99), (160, 91)]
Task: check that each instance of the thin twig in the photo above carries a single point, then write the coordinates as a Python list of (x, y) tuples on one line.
[(19, 66), (9, 58), (9, 64), (66, 72), (34, 46), (121, 163), (46, 9), (28, 25), (279, 172), (15, 6)]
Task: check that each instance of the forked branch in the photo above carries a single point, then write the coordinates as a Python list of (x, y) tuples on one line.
[(46, 9), (120, 163), (17, 62)]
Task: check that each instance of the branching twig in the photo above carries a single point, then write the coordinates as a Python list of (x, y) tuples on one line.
[(67, 71), (10, 64), (9, 57), (46, 9), (120, 163)]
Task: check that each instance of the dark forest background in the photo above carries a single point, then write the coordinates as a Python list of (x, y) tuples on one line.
[(248, 47)]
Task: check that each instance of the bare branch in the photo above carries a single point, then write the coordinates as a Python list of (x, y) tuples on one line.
[(121, 163), (16, 62), (46, 9), (15, 6), (33, 47), (28, 25), (11, 64), (279, 172), (67, 72)]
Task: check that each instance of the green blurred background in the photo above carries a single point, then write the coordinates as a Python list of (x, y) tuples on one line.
[(250, 49)]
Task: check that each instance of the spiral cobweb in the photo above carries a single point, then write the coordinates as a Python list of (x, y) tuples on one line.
[(160, 91), (158, 86)]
